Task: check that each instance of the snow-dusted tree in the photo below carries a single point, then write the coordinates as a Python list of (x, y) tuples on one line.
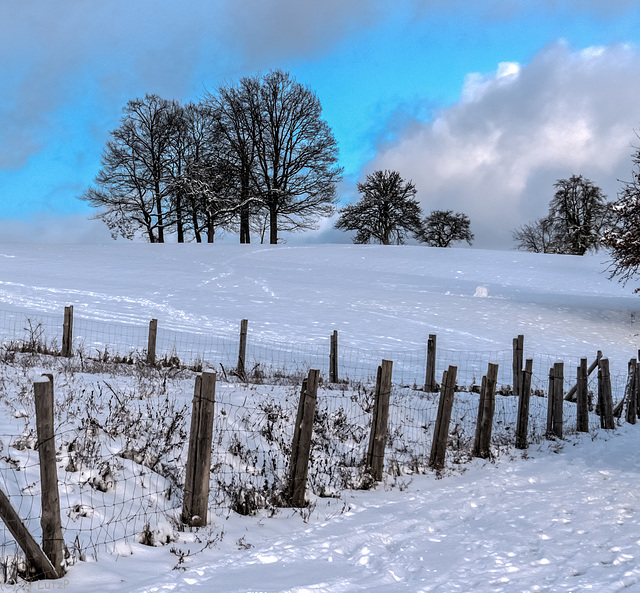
[(578, 215), (538, 236), (622, 238), (386, 213), (444, 227)]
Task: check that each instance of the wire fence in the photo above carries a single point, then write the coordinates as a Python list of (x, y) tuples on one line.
[(122, 450)]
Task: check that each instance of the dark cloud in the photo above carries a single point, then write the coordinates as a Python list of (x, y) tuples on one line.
[(496, 154)]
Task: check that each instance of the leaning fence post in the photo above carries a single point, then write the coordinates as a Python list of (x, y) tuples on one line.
[(523, 406), (582, 424), (67, 332), (333, 358), (301, 445), (242, 349), (379, 421), (52, 542), (35, 557), (441, 431), (198, 470), (605, 400), (151, 342), (518, 355), (430, 384), (486, 409)]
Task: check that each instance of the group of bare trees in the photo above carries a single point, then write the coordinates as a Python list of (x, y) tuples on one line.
[(388, 212), (252, 156)]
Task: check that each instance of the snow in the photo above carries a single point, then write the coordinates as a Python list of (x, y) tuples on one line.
[(561, 517)]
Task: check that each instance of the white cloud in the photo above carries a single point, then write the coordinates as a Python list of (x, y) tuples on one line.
[(496, 153)]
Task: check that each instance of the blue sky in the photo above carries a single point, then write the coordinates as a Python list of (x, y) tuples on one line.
[(482, 104)]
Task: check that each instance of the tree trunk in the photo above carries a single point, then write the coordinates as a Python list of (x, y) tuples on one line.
[(196, 226), (179, 223), (245, 234), (159, 214), (273, 225)]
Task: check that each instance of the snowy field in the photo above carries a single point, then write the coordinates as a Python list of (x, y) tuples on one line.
[(562, 517)]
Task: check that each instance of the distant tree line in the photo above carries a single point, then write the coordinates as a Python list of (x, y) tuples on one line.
[(254, 156), (388, 212)]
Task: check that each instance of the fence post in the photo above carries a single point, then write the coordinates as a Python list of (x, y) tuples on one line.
[(430, 384), (572, 392), (379, 421), (441, 431), (151, 343), (632, 402), (333, 358), (198, 470), (486, 409), (550, 406), (301, 446), (582, 424), (605, 401), (35, 557), (522, 426), (558, 400), (242, 350), (52, 542), (518, 356), (67, 332)]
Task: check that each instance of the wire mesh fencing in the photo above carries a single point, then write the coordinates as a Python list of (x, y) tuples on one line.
[(122, 442)]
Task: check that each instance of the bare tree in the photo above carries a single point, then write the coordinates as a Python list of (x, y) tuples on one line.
[(442, 228), (538, 236), (132, 188), (296, 153), (387, 211)]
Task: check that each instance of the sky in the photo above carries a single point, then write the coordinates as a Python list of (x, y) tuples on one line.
[(483, 105)]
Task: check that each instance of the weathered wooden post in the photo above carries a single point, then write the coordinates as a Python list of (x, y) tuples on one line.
[(52, 541), (441, 431), (558, 400), (198, 470), (36, 559), (67, 332), (632, 400), (379, 421), (430, 384), (301, 445), (486, 409), (582, 424), (550, 406), (605, 401), (522, 426), (571, 394), (151, 342), (333, 358), (518, 356), (242, 350)]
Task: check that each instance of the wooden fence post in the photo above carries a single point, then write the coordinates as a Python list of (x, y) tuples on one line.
[(333, 358), (571, 394), (582, 424), (52, 541), (301, 445), (242, 350), (151, 343), (518, 356), (430, 384), (198, 470), (522, 426), (632, 400), (486, 409), (67, 332), (35, 557), (550, 406), (379, 421), (558, 400), (605, 401), (441, 431)]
